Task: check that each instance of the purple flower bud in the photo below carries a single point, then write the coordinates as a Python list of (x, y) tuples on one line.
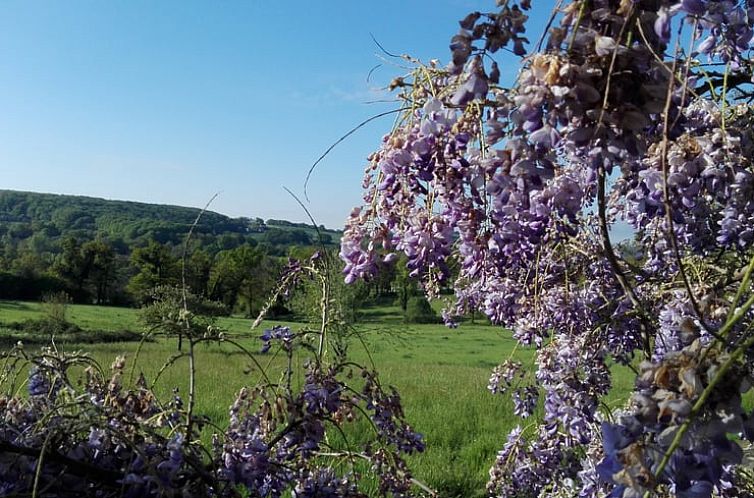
[(494, 76), (662, 25), (604, 45), (694, 7), (469, 21)]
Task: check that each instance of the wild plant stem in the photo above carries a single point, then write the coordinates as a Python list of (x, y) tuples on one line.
[(192, 390), (734, 356), (668, 205), (741, 289)]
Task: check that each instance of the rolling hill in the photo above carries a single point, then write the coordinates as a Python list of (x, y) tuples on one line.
[(47, 218)]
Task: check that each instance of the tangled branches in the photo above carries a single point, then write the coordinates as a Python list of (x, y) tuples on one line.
[(80, 431)]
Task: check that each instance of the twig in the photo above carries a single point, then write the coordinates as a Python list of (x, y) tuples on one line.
[(40, 463), (553, 15), (666, 200), (383, 48), (325, 301), (184, 294), (183, 260), (741, 289), (338, 141), (602, 214)]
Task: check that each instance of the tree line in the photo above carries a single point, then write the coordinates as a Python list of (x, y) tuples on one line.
[(113, 252), (118, 252), (238, 280), (96, 272)]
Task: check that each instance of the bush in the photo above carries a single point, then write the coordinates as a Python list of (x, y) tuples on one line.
[(166, 314), (55, 306), (47, 327), (40, 332), (418, 310)]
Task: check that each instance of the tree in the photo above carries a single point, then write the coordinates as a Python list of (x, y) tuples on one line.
[(72, 267), (405, 285), (235, 274), (89, 269), (28, 265), (258, 284), (100, 259), (198, 268), (419, 310), (155, 266)]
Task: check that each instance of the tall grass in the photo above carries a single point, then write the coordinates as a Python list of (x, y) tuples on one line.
[(440, 373)]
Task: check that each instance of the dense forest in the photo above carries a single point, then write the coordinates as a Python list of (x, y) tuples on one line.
[(116, 252)]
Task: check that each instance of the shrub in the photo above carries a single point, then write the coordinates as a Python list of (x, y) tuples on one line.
[(419, 310), (55, 306), (42, 331)]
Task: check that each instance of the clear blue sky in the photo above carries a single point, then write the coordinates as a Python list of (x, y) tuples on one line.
[(172, 101)]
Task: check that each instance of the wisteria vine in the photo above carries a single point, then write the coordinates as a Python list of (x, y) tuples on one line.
[(628, 116)]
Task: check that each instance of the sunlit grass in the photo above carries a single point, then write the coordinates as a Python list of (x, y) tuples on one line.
[(440, 373)]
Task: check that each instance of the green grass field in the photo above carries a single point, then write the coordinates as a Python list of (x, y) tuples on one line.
[(440, 373)]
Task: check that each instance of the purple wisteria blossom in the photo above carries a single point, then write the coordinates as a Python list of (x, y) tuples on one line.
[(626, 116)]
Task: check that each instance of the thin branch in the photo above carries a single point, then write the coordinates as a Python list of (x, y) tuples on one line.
[(325, 302), (666, 200), (369, 74), (337, 142), (184, 295), (553, 15), (383, 48), (602, 214), (186, 245), (733, 81)]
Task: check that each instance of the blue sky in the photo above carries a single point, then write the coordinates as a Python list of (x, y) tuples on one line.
[(170, 102)]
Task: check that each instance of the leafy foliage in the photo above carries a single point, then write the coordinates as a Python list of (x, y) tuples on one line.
[(128, 224), (418, 310), (116, 252)]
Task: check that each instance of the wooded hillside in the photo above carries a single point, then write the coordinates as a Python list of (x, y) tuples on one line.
[(106, 251)]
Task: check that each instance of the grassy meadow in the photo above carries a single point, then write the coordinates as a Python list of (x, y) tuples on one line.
[(440, 373)]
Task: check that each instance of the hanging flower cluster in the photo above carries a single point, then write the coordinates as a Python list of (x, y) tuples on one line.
[(628, 116)]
